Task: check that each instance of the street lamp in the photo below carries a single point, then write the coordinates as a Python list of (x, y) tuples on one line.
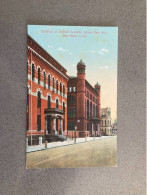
[(75, 133)]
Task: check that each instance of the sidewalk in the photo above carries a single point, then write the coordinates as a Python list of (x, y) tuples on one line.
[(64, 143)]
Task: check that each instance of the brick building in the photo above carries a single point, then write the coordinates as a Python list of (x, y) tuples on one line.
[(106, 121), (47, 94), (83, 105)]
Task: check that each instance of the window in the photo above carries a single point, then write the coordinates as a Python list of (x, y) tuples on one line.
[(74, 89), (87, 109), (38, 122), (38, 75), (93, 110), (38, 99), (49, 102), (91, 96), (49, 81), (70, 89), (60, 88), (105, 123), (64, 106), (44, 79), (56, 86), (33, 72), (57, 124), (57, 103), (53, 83), (63, 90), (71, 125), (96, 112), (71, 112), (90, 109), (87, 93), (102, 123), (71, 100), (108, 123)]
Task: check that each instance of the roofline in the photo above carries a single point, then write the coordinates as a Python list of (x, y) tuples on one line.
[(46, 52), (91, 86)]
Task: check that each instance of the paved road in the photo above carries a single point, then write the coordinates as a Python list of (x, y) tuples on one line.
[(89, 154)]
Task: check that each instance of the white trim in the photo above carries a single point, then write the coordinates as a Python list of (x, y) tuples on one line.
[(47, 62)]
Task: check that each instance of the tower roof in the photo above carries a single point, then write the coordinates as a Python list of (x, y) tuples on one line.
[(81, 63)]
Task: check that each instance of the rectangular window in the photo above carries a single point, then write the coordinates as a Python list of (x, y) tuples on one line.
[(48, 81), (38, 122), (57, 103), (38, 75), (57, 124), (33, 72), (44, 80)]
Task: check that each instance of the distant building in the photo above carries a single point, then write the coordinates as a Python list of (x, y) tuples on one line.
[(114, 128), (83, 103), (106, 121)]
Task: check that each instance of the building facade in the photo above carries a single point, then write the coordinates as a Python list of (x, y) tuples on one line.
[(106, 121), (47, 94), (83, 102)]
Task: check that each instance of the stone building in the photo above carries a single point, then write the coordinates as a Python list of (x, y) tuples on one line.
[(106, 121), (47, 94), (83, 104)]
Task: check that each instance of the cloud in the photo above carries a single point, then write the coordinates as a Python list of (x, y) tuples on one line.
[(74, 65), (93, 51), (103, 67), (104, 50), (100, 52), (50, 46), (61, 49), (70, 53)]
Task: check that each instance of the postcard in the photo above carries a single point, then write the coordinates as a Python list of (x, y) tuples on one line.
[(71, 96)]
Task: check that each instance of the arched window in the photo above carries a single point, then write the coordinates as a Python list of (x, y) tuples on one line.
[(38, 99), (87, 109), (49, 78), (33, 72), (57, 103), (60, 88), (56, 86), (44, 78), (49, 102), (53, 83), (38, 75)]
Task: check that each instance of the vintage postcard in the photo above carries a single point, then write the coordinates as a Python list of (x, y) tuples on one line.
[(71, 96)]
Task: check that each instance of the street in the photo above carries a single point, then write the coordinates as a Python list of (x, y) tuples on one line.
[(89, 154)]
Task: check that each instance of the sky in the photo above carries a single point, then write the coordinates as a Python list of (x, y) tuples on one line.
[(96, 46)]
